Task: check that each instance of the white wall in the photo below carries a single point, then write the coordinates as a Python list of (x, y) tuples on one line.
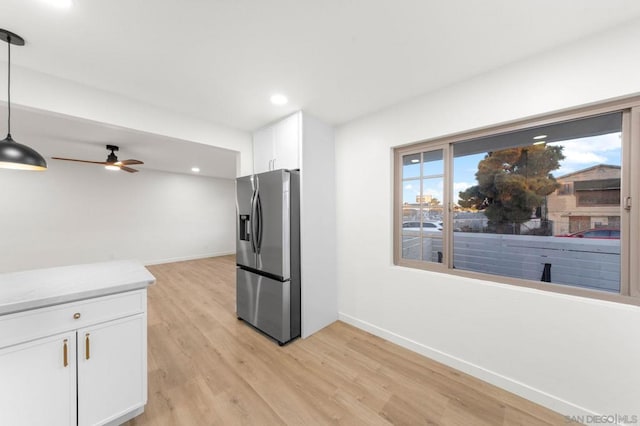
[(78, 213), (318, 227), (571, 354)]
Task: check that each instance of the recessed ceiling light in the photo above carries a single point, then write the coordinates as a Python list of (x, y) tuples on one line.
[(195, 169), (60, 3), (540, 142), (279, 99), (537, 138)]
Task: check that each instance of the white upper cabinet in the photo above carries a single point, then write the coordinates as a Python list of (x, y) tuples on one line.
[(287, 143), (278, 146), (263, 149)]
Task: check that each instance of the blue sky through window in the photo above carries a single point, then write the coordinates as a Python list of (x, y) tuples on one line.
[(579, 154)]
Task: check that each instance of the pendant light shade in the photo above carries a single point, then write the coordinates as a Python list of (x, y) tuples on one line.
[(14, 155)]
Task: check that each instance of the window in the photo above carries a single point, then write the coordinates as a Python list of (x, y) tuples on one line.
[(542, 203), (565, 189), (598, 197), (422, 208)]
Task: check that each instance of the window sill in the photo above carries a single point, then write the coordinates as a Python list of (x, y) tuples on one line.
[(509, 282)]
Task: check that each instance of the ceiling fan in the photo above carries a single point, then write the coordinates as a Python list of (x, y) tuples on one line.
[(112, 162)]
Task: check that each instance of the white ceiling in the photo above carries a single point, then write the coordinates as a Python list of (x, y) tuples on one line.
[(220, 60)]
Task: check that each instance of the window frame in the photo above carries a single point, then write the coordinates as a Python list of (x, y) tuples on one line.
[(629, 218)]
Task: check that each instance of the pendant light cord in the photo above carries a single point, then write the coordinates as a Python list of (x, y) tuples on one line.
[(9, 86), (14, 155)]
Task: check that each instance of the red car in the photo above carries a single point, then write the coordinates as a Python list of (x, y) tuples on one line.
[(601, 233)]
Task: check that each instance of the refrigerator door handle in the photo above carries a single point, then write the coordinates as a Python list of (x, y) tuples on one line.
[(255, 223), (259, 224), (252, 221)]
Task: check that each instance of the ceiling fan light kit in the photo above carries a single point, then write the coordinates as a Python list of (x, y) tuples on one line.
[(112, 159), (14, 155)]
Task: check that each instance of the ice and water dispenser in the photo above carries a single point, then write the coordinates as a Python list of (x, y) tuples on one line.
[(244, 227)]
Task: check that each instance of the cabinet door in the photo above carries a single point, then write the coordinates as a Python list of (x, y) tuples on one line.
[(112, 369), (263, 150), (38, 382), (287, 143)]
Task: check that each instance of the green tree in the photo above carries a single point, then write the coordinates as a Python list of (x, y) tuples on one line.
[(512, 183), (434, 202)]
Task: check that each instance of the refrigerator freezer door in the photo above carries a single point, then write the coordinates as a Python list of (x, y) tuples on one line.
[(273, 223), (245, 250), (265, 304)]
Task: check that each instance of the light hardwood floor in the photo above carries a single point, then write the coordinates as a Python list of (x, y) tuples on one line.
[(208, 368)]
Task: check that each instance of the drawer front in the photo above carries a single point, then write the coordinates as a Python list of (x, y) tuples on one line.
[(36, 323)]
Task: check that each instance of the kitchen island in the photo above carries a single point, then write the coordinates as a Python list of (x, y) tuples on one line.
[(73, 344)]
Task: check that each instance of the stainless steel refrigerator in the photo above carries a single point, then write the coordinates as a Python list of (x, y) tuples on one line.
[(268, 253)]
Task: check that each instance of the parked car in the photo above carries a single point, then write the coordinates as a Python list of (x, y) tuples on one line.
[(427, 226), (601, 233)]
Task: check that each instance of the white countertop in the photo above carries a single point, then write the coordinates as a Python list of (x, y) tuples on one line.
[(20, 291)]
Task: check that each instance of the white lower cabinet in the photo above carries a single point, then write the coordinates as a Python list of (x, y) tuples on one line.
[(111, 370), (38, 382), (93, 374)]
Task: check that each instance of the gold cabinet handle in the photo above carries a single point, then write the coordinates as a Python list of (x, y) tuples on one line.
[(65, 350), (87, 346), (76, 315)]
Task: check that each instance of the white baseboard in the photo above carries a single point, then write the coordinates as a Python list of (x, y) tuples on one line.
[(184, 258), (521, 389)]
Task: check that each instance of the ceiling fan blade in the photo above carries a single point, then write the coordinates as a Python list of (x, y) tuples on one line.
[(130, 162), (128, 169), (79, 161)]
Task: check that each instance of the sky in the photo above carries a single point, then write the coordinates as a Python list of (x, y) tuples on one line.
[(579, 154)]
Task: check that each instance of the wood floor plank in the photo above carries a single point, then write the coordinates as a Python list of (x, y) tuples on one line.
[(208, 368)]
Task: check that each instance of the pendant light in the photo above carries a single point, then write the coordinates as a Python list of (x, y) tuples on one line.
[(14, 155)]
